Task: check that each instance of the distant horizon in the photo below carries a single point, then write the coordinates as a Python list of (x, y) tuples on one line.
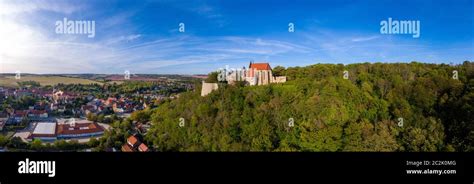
[(185, 74), (187, 37), (94, 74)]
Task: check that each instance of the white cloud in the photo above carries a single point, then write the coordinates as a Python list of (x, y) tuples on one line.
[(11, 7), (119, 39), (27, 47), (363, 39)]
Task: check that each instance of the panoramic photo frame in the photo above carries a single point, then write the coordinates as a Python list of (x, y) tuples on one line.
[(346, 87)]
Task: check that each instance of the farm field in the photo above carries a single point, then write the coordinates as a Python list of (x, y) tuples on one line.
[(10, 81)]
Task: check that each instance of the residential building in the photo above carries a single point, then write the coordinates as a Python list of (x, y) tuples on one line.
[(133, 144)]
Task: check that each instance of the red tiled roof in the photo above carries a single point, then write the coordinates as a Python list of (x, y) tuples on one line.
[(88, 107), (126, 148), (260, 66), (78, 128), (21, 113), (132, 140)]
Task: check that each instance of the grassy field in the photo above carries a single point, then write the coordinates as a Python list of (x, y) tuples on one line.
[(10, 81)]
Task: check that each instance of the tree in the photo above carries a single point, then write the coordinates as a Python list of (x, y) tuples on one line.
[(364, 136), (430, 137), (3, 140), (141, 116), (212, 77), (100, 118), (92, 117), (278, 71), (17, 143)]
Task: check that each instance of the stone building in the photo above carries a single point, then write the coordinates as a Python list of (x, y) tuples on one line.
[(208, 88)]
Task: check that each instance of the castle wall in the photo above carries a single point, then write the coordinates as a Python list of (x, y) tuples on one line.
[(208, 88)]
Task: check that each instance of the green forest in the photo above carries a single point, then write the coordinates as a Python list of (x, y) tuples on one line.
[(406, 107)]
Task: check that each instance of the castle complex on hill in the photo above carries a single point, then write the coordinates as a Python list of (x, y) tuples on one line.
[(256, 74)]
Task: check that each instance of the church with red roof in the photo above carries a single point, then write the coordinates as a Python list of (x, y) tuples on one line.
[(256, 74)]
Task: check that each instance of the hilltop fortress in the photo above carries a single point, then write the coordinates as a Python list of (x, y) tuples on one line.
[(256, 74)]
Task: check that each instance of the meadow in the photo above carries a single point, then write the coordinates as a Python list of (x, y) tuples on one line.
[(10, 81)]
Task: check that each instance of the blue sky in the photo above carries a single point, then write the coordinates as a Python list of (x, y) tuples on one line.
[(143, 36)]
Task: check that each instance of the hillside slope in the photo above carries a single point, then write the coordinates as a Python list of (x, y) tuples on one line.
[(380, 107)]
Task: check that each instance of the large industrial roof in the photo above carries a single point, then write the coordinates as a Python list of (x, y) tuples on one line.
[(45, 128)]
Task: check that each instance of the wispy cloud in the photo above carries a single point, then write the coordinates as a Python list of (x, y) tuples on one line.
[(127, 39), (209, 12), (363, 39)]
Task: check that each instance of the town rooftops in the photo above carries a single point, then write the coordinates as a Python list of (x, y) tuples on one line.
[(260, 66), (37, 112)]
